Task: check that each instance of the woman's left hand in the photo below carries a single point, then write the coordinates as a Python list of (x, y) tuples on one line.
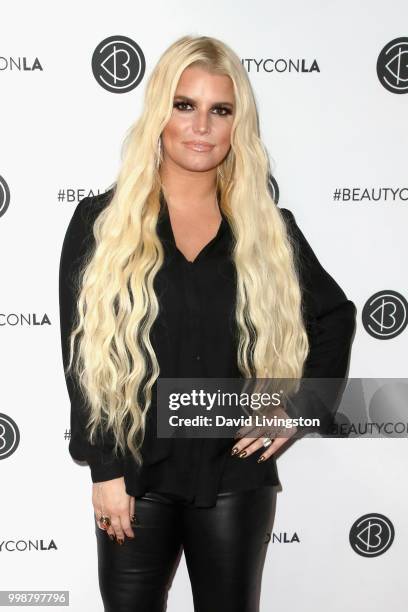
[(249, 444)]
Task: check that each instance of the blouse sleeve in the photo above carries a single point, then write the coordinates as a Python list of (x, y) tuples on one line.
[(78, 238), (330, 319)]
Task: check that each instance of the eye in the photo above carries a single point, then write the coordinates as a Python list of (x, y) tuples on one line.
[(224, 109), (178, 104)]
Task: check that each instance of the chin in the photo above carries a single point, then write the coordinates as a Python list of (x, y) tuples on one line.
[(198, 166)]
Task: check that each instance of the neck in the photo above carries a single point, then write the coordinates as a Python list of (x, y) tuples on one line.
[(185, 190)]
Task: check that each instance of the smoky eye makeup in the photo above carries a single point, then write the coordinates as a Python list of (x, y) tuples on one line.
[(222, 109), (225, 110)]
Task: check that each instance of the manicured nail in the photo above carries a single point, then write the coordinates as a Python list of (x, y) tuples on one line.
[(120, 541), (262, 458), (234, 451), (112, 537), (242, 453)]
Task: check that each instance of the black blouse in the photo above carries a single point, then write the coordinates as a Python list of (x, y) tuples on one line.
[(194, 335)]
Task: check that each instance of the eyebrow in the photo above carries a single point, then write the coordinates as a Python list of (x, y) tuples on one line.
[(192, 101)]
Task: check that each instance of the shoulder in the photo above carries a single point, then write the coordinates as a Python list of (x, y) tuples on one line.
[(291, 225), (286, 213), (303, 251), (306, 262), (79, 236), (80, 227), (88, 209), (297, 239), (289, 219)]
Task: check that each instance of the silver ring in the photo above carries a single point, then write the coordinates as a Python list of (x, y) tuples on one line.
[(267, 442)]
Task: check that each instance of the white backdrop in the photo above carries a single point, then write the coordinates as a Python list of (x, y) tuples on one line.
[(339, 127)]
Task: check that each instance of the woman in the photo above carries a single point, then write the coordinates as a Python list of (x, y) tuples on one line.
[(187, 268)]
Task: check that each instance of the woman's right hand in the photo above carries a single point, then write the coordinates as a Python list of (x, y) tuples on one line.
[(109, 498)]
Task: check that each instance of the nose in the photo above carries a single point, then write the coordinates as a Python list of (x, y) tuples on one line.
[(201, 123)]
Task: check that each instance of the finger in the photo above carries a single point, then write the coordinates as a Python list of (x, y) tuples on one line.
[(272, 448), (108, 528), (248, 450), (132, 509), (242, 444), (110, 532), (97, 505), (96, 502), (98, 515), (126, 525), (102, 526), (116, 526)]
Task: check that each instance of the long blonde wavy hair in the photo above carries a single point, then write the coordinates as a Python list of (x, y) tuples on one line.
[(117, 306)]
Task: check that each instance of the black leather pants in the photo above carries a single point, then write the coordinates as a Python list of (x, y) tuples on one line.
[(224, 547)]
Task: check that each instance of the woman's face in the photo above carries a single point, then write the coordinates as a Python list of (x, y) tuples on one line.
[(203, 110)]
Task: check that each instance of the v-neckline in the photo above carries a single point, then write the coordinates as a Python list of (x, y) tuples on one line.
[(166, 215)]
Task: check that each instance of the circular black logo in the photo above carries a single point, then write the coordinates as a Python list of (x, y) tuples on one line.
[(9, 436), (392, 66), (384, 314), (371, 535), (4, 196), (118, 64)]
